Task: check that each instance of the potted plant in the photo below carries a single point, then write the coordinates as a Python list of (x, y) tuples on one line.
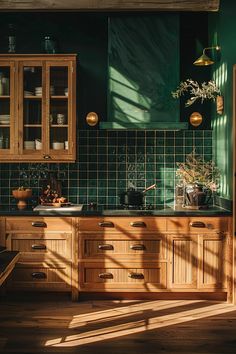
[(197, 180)]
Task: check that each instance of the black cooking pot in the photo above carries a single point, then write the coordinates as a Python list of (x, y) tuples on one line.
[(133, 197)]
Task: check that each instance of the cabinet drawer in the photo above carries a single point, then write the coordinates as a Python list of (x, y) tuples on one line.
[(197, 224), (39, 224), (34, 247), (40, 276), (122, 224), (148, 248), (134, 277)]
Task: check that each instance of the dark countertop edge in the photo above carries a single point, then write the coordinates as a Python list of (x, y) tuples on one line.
[(165, 212)]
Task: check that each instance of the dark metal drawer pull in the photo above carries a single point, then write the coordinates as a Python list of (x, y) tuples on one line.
[(38, 275), (106, 224), (136, 275), (106, 247), (105, 275), (138, 224), (199, 224), (39, 247), (137, 247), (39, 224)]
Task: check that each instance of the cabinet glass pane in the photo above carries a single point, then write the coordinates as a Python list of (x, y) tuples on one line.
[(32, 107), (59, 108), (5, 107)]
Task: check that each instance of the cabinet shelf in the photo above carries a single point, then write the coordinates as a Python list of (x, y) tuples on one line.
[(4, 125), (59, 97), (59, 126), (32, 125), (4, 96), (32, 97)]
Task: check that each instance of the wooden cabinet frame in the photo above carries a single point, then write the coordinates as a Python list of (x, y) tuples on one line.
[(16, 152)]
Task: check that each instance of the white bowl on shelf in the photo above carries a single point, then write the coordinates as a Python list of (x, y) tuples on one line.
[(57, 145), (29, 145)]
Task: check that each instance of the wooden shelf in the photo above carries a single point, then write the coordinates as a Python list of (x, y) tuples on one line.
[(59, 97), (32, 125), (59, 126), (4, 96)]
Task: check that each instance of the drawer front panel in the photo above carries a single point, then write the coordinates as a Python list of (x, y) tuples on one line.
[(34, 248), (40, 276), (133, 277), (122, 224), (39, 224), (197, 224), (116, 248)]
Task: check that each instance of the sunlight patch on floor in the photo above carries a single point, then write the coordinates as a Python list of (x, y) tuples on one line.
[(146, 320)]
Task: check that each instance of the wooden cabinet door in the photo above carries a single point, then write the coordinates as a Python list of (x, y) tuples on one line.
[(38, 108), (8, 145), (60, 110), (183, 261), (212, 261)]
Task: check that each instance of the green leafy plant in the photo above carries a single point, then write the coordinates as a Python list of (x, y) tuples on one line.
[(196, 170), (204, 91)]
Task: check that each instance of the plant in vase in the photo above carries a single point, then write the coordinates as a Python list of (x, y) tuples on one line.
[(205, 91), (198, 179)]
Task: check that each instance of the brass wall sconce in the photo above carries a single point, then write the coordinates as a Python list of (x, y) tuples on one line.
[(195, 119), (204, 60), (92, 119)]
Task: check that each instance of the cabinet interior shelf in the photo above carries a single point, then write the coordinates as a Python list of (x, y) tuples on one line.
[(59, 126), (4, 125), (32, 125), (5, 96), (59, 97), (33, 97)]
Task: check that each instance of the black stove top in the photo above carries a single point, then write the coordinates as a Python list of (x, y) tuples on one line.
[(125, 207)]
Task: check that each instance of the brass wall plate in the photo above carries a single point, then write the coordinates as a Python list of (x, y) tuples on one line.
[(92, 119), (195, 119)]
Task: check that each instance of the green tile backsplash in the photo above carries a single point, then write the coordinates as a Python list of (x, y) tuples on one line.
[(108, 162)]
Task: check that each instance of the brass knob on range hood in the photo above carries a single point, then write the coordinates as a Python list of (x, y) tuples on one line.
[(92, 119)]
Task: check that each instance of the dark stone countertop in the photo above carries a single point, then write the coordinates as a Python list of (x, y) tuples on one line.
[(12, 210)]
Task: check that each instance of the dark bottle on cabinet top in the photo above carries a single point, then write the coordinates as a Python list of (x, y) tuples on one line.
[(11, 38)]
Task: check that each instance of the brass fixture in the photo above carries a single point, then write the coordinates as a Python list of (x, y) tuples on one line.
[(219, 104), (204, 59), (92, 119), (195, 119)]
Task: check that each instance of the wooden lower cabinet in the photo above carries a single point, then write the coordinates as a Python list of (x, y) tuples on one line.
[(45, 246), (116, 254), (182, 254)]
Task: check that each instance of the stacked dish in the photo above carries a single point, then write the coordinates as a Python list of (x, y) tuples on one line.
[(38, 91), (29, 144), (4, 118), (28, 93)]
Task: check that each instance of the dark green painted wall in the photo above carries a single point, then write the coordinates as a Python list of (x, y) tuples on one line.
[(222, 32)]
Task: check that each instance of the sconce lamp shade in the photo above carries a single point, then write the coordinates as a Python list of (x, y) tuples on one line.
[(204, 60)]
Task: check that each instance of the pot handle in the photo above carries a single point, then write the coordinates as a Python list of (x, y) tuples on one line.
[(153, 186)]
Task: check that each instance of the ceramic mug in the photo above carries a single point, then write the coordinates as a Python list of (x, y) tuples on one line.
[(60, 119)]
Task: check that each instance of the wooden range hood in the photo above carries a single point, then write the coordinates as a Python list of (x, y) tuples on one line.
[(110, 5)]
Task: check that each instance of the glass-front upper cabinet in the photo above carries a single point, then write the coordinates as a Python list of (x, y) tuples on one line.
[(43, 96), (7, 109)]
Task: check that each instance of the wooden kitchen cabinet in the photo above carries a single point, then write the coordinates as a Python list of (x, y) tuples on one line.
[(45, 245), (170, 254), (37, 107)]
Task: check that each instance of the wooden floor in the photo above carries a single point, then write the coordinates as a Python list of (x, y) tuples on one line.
[(42, 323)]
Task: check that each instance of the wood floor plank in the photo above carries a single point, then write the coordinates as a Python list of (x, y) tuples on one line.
[(51, 323)]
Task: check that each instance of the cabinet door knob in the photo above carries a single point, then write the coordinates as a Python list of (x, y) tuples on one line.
[(106, 224), (105, 247), (39, 247), (38, 275), (137, 247), (138, 224), (198, 224), (136, 275), (47, 157), (39, 224), (105, 275)]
